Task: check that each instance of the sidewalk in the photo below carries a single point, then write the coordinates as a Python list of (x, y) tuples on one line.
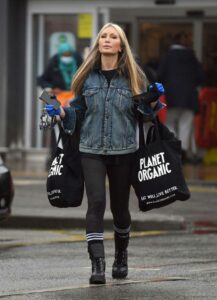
[(31, 209)]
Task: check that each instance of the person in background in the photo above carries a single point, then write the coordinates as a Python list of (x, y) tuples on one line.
[(60, 70), (181, 73), (57, 78), (106, 114)]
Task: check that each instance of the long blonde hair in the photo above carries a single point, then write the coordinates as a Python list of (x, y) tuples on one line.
[(126, 64)]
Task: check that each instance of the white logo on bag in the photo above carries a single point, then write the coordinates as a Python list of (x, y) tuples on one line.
[(153, 166), (54, 194), (56, 166), (160, 196)]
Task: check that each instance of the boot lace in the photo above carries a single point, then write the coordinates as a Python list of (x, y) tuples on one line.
[(121, 258), (99, 265)]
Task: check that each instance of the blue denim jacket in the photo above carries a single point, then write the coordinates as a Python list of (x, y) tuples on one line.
[(106, 114)]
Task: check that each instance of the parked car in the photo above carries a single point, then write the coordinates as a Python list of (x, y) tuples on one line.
[(6, 191)]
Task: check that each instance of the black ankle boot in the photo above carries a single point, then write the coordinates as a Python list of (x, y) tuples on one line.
[(98, 270), (120, 266)]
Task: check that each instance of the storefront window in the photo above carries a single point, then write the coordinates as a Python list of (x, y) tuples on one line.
[(210, 53), (155, 38), (49, 32), (59, 27)]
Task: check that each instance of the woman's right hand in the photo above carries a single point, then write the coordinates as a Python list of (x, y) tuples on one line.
[(51, 111)]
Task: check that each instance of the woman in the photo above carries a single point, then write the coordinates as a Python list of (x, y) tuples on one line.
[(106, 115)]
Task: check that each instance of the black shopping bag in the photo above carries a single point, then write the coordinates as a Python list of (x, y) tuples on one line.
[(157, 172), (65, 182)]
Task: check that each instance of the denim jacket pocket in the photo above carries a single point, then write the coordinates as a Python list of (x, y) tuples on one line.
[(124, 99), (91, 98)]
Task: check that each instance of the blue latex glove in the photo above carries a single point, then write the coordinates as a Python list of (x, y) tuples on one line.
[(159, 86), (52, 111)]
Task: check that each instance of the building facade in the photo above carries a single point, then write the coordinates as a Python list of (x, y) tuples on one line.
[(31, 29)]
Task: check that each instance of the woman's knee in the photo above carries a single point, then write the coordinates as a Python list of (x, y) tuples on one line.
[(96, 206), (122, 220)]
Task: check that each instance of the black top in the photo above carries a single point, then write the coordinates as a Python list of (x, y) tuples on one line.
[(109, 74)]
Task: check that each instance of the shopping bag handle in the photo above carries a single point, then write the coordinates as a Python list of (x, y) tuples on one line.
[(141, 130), (59, 135)]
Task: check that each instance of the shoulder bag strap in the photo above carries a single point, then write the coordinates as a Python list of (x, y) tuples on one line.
[(156, 127), (141, 131), (58, 131)]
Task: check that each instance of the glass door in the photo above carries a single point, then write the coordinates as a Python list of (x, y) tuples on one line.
[(49, 30), (209, 53), (155, 37), (47, 26), (59, 28), (53, 30)]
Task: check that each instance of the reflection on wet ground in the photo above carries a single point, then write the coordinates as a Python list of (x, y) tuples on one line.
[(38, 168), (24, 168), (200, 172)]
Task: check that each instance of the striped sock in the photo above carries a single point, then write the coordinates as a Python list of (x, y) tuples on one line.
[(94, 237), (95, 244)]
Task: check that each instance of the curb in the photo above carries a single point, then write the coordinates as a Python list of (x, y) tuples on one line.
[(54, 223)]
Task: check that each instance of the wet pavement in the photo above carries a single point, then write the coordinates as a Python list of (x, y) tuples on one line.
[(31, 208), (172, 252), (55, 265), (202, 173)]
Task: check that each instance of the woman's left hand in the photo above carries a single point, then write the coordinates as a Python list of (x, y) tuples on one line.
[(159, 86), (155, 90)]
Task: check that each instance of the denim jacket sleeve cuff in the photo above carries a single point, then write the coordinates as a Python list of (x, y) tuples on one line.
[(146, 110), (159, 105), (69, 122)]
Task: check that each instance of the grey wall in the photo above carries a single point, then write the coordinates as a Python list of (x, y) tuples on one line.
[(16, 69), (3, 69), (12, 55)]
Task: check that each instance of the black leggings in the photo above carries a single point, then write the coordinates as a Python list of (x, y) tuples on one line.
[(95, 171)]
